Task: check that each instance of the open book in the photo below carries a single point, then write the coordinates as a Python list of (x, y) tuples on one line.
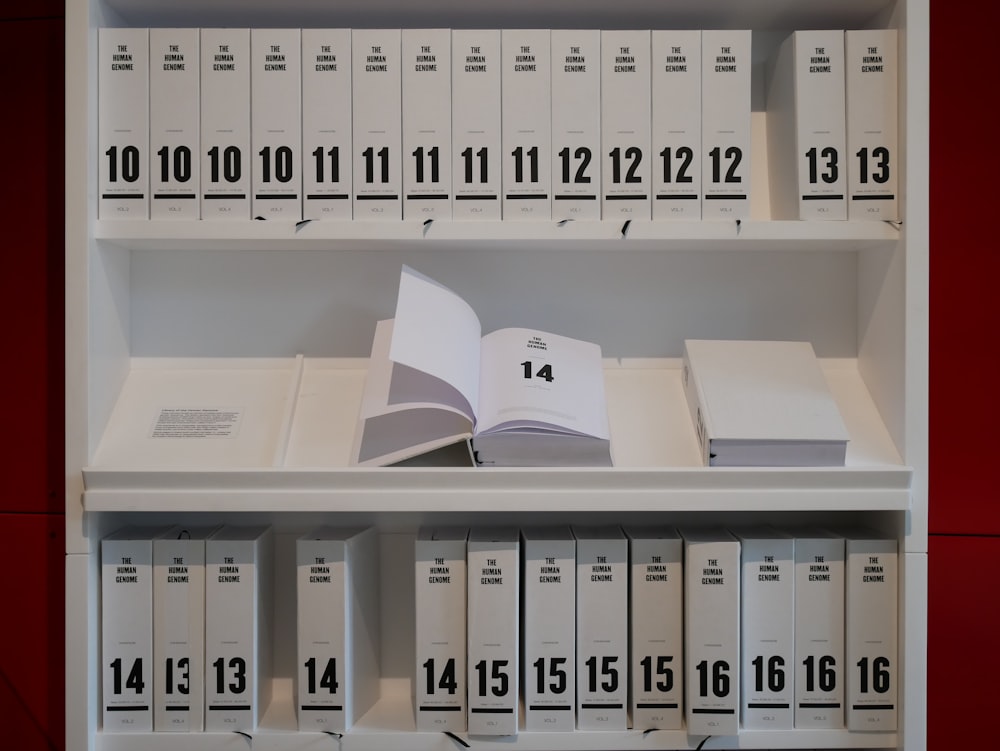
[(519, 397)]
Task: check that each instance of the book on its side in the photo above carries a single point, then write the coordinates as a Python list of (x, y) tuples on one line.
[(762, 404)]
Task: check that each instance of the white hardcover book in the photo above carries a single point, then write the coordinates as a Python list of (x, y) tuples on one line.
[(676, 124), (626, 171), (806, 123), (127, 629), (762, 403), (238, 604), (475, 123), (377, 129), (725, 124), (871, 620), (123, 123), (548, 637), (656, 610), (768, 649), (819, 630), (872, 121), (712, 631), (494, 631), (225, 124), (276, 123), (426, 55), (174, 123), (526, 123), (338, 650), (326, 124), (179, 630), (576, 124), (601, 628)]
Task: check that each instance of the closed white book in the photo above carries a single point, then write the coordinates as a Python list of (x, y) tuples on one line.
[(768, 649), (475, 123), (762, 403), (225, 124), (238, 605), (656, 613), (426, 55), (576, 124), (601, 628), (626, 162), (526, 123), (725, 124), (872, 123), (326, 124), (819, 630), (806, 122), (548, 638), (174, 123), (494, 630), (123, 123), (338, 649), (377, 132), (441, 616), (712, 631), (871, 617), (127, 629), (179, 630), (276, 123), (676, 124)]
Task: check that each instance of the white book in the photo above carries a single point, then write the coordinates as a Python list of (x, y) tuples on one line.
[(626, 161), (602, 578), (326, 124), (768, 649), (276, 123), (819, 630), (520, 397), (676, 124), (127, 629), (175, 123), (576, 124), (806, 122), (762, 403), (493, 631), (872, 606), (872, 122), (123, 123), (426, 55), (179, 630), (475, 123), (225, 124), (238, 605), (526, 123), (656, 617), (337, 606), (441, 616), (725, 124), (377, 129), (712, 631), (548, 628)]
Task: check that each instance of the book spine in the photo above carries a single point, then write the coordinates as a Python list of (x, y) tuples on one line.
[(699, 417)]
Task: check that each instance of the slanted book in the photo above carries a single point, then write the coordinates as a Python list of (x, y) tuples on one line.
[(519, 397)]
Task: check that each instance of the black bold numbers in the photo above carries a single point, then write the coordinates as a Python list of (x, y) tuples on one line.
[(663, 673), (129, 164), (608, 671), (499, 678), (329, 678), (133, 681), (719, 674), (734, 155), (447, 682), (239, 678)]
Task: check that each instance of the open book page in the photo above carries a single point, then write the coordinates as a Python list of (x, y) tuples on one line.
[(436, 333), (532, 380)]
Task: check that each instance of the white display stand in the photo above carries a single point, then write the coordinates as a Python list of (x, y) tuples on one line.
[(270, 326)]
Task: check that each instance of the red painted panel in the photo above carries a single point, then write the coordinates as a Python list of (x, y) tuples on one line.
[(32, 586), (34, 10), (31, 287)]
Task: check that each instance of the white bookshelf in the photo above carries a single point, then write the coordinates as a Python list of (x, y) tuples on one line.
[(273, 321)]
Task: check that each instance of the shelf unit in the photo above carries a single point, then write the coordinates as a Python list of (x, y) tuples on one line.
[(275, 320)]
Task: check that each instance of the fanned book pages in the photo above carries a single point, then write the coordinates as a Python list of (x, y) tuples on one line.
[(519, 397)]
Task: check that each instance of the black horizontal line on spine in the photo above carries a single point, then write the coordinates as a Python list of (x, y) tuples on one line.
[(321, 708), (177, 708), (277, 196), (229, 707), (489, 197), (725, 197), (768, 705), (834, 197), (492, 710), (440, 709), (643, 197), (873, 706), (130, 196), (705, 710), (429, 196), (160, 196), (326, 196), (656, 705), (574, 198), (554, 707), (223, 196), (601, 705), (137, 708), (819, 705), (677, 197), (392, 197), (889, 197), (524, 196)]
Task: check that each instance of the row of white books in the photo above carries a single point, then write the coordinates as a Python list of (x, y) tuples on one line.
[(589, 628), (512, 124)]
